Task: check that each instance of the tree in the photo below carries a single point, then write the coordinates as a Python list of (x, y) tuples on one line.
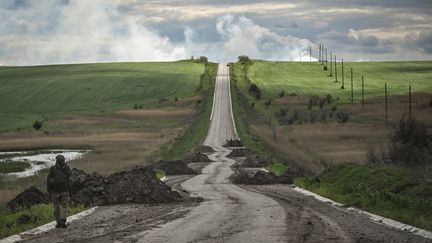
[(37, 125)]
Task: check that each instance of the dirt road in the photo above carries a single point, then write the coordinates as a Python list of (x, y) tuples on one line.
[(229, 213)]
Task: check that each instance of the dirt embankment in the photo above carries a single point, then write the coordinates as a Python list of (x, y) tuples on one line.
[(176, 167), (250, 169)]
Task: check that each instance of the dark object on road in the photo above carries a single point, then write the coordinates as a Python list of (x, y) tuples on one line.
[(239, 152), (28, 198), (176, 167), (139, 185), (197, 157), (234, 143)]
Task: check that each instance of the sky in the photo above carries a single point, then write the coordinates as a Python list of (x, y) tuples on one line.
[(36, 32)]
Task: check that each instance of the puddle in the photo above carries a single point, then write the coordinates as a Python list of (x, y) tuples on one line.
[(38, 160)]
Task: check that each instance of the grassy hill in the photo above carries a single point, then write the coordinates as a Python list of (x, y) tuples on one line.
[(27, 93), (309, 78)]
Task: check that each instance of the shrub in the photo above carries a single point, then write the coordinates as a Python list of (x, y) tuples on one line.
[(244, 60), (37, 125), (203, 59), (253, 104), (268, 103), (281, 94), (255, 91), (325, 68), (342, 117), (410, 143), (175, 99), (313, 101), (136, 106)]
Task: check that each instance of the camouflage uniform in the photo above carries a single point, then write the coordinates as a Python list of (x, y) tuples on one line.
[(58, 188)]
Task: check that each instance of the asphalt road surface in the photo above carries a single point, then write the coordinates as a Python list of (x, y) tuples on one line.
[(229, 213)]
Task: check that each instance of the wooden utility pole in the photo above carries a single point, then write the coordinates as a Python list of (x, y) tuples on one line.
[(386, 104), (310, 53), (343, 78), (409, 103), (331, 64), (362, 92), (352, 87), (326, 58), (335, 60)]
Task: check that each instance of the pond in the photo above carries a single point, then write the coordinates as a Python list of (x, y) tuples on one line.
[(28, 163)]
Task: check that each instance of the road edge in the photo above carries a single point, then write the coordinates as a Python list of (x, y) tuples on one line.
[(373, 217), (47, 227)]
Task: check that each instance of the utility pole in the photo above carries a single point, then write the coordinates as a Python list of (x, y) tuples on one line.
[(326, 58), (352, 87), (310, 53), (343, 78), (410, 103), (335, 60), (386, 104), (331, 64), (362, 93)]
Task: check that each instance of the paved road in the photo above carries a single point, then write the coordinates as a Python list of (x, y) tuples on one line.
[(230, 213)]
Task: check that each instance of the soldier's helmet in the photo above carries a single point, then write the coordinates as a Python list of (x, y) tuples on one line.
[(60, 159)]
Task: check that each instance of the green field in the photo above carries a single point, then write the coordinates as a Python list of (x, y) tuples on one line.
[(31, 93), (307, 79)]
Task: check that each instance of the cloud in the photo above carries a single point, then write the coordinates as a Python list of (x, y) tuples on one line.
[(84, 31), (421, 41)]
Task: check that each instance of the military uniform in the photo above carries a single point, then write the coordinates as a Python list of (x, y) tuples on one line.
[(58, 188)]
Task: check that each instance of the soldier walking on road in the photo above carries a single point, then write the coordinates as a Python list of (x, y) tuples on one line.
[(58, 189)]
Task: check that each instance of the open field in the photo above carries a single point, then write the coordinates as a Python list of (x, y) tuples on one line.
[(120, 137), (335, 154), (34, 93), (307, 79)]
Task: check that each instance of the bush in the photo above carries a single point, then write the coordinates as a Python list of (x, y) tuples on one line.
[(244, 60), (410, 143), (342, 117), (325, 68), (175, 99), (203, 59), (281, 94), (255, 91), (37, 125), (268, 103), (136, 106)]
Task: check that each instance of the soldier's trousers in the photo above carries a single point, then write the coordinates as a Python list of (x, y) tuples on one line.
[(60, 201)]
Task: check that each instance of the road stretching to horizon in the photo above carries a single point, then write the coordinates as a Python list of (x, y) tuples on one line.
[(229, 213)]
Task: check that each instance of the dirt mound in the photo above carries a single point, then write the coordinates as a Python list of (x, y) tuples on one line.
[(239, 152), (139, 185), (234, 143), (257, 178), (256, 160), (204, 149), (176, 167), (29, 197), (197, 157), (262, 178)]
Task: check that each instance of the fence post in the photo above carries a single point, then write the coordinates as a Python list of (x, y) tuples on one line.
[(343, 78), (326, 58), (362, 93), (319, 54), (310, 53), (410, 103), (335, 60), (331, 64), (352, 87), (386, 102)]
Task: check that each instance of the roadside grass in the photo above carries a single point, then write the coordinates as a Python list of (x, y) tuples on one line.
[(13, 166), (25, 219), (277, 168), (51, 92), (196, 132), (398, 193), (160, 173)]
